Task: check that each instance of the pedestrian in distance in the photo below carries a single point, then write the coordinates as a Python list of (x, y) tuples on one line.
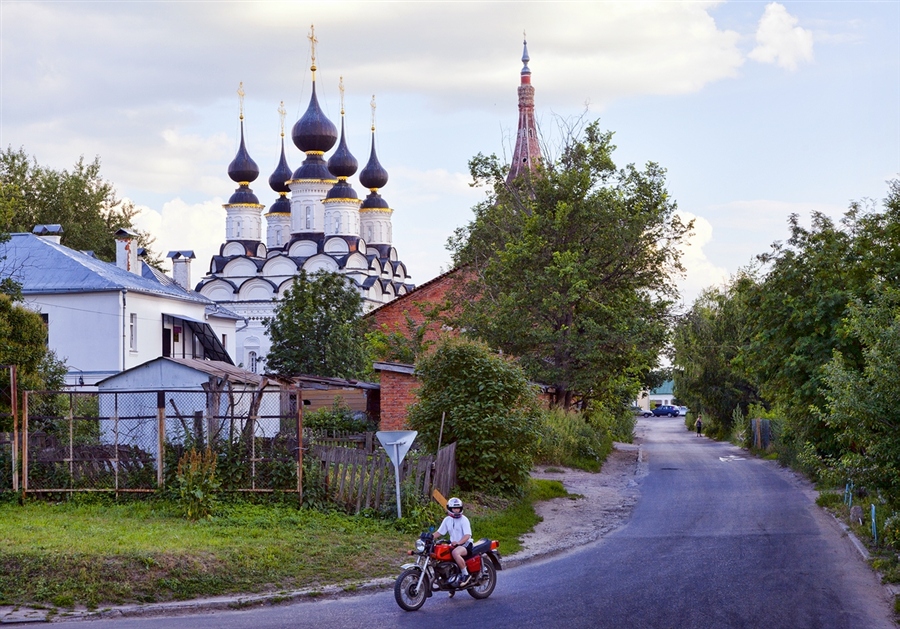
[(699, 424)]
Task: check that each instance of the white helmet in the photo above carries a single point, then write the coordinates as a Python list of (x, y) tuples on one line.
[(454, 508)]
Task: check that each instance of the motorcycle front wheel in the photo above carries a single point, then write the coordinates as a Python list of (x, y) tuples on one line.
[(407, 592), (488, 580)]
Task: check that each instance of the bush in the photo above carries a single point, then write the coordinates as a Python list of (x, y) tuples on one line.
[(491, 412), (566, 438), (339, 417), (196, 483)]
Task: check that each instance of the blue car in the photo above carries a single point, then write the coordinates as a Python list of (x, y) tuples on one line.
[(671, 411)]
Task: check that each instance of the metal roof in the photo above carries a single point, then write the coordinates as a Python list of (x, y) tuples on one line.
[(42, 266)]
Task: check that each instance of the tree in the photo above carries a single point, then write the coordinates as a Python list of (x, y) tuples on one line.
[(317, 328), (80, 200), (23, 343), (862, 399), (573, 268), (706, 342), (488, 408)]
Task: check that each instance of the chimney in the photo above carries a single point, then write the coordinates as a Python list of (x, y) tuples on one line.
[(127, 251), (53, 233), (181, 267)]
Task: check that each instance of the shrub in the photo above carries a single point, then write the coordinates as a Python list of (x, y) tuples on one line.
[(566, 438), (339, 417), (196, 483), (491, 412)]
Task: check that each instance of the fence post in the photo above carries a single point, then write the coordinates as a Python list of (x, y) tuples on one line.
[(15, 445), (299, 447), (874, 527), (161, 441), (25, 445)]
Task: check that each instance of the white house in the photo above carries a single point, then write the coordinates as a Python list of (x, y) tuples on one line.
[(104, 318)]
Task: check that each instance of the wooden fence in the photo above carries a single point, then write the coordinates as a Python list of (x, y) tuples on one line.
[(359, 480)]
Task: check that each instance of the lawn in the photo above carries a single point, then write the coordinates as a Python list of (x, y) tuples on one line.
[(100, 552)]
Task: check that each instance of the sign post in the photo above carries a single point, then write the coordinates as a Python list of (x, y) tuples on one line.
[(396, 443)]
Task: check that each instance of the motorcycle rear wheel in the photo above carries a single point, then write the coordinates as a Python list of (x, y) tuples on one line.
[(488, 580), (406, 591)]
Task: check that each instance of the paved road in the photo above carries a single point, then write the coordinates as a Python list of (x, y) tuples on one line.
[(716, 540)]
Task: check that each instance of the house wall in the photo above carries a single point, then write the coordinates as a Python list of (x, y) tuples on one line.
[(398, 392), (392, 317), (85, 330)]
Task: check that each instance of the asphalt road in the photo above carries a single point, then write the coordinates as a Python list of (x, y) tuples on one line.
[(716, 540)]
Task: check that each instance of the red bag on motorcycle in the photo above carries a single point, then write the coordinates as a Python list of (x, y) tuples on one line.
[(473, 564)]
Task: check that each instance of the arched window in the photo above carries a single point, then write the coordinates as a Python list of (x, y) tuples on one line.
[(278, 236), (337, 223), (371, 237), (251, 360), (309, 217), (237, 228)]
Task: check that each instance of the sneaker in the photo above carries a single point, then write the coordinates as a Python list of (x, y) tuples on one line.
[(464, 580)]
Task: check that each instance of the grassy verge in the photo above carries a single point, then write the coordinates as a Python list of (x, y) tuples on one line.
[(106, 553)]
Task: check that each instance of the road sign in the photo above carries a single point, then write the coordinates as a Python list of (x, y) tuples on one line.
[(396, 443)]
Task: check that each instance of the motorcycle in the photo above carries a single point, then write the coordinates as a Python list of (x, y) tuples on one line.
[(435, 570)]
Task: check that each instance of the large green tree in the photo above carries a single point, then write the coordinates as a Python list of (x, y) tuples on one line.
[(317, 328), (706, 342), (573, 268), (80, 200)]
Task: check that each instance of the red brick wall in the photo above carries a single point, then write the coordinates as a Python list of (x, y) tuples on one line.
[(392, 316), (398, 391)]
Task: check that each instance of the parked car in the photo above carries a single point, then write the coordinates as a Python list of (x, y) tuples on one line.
[(671, 411), (637, 410)]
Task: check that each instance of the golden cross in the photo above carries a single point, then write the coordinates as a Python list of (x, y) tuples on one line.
[(240, 93), (341, 88), (282, 112), (312, 43), (373, 111)]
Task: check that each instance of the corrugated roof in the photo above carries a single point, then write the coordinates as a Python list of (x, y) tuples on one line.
[(42, 266)]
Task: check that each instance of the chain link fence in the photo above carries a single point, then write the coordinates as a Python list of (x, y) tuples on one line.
[(131, 441)]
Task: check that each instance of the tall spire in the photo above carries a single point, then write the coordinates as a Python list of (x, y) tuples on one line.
[(528, 151)]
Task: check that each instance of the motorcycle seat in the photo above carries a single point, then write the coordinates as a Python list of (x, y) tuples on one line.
[(481, 546)]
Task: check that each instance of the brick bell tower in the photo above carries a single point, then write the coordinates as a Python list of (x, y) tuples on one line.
[(527, 152)]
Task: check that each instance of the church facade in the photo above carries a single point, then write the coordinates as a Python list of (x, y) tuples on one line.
[(317, 223)]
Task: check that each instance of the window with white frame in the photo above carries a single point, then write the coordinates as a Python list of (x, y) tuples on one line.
[(132, 332)]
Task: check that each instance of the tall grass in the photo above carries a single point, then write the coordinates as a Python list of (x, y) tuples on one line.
[(571, 440)]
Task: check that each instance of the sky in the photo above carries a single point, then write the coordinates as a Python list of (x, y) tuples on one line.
[(756, 109)]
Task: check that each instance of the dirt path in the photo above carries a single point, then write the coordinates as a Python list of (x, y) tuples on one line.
[(606, 501)]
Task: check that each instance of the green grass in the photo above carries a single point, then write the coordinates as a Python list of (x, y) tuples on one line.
[(104, 553)]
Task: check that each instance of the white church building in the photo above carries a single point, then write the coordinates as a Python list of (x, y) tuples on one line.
[(317, 223)]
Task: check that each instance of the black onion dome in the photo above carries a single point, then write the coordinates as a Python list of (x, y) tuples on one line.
[(282, 174), (243, 196), (373, 176), (242, 167), (374, 201), (314, 131), (314, 167), (342, 164), (281, 206), (341, 190)]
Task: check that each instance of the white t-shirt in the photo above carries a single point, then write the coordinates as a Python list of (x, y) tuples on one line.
[(456, 527)]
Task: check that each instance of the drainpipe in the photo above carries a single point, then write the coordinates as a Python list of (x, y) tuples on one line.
[(124, 316)]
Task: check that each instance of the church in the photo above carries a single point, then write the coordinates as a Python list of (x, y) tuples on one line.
[(317, 223)]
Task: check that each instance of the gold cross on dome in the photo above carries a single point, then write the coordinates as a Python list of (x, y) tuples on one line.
[(312, 44), (282, 112), (373, 111), (240, 93), (341, 88)]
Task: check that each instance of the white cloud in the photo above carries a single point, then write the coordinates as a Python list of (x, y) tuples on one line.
[(780, 41), (180, 225), (700, 272)]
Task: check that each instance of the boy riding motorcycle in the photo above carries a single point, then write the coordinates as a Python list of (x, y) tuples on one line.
[(460, 530)]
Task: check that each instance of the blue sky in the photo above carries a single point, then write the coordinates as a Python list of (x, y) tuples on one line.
[(756, 109)]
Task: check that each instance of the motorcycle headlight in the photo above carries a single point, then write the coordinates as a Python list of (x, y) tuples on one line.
[(420, 546)]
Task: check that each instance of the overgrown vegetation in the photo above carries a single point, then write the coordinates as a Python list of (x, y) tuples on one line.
[(484, 403), (339, 417), (568, 438), (94, 551)]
